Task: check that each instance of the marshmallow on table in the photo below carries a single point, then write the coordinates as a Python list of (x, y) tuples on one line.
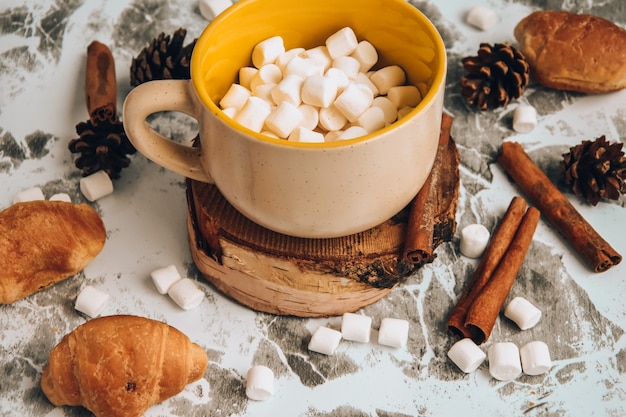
[(353, 101), (186, 294), (393, 332), (266, 51), (209, 9), (61, 197), (342, 42), (466, 355), (524, 118), (284, 119), (30, 194), (253, 114), (504, 361), (474, 240), (324, 340), (356, 327), (302, 134), (387, 77), (91, 301), (535, 357), (260, 383), (164, 278), (318, 91), (366, 54), (481, 17), (96, 185), (523, 313)]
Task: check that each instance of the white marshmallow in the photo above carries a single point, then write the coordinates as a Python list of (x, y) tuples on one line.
[(504, 361), (267, 74), (366, 54), (318, 91), (393, 332), (324, 340), (474, 240), (30, 194), (363, 79), (283, 59), (301, 134), (332, 136), (342, 42), (266, 51), (523, 313), (270, 134), (356, 327), (524, 118), (96, 185), (481, 17), (389, 109), (350, 66), (264, 91), (253, 114), (235, 97), (284, 119), (310, 116), (320, 55), (246, 74), (535, 357), (466, 355), (288, 89), (404, 95), (372, 119), (387, 77), (164, 278), (260, 383), (303, 67), (91, 301), (404, 111), (230, 112), (330, 118), (353, 101), (352, 132), (340, 77), (186, 294), (61, 197), (209, 9)]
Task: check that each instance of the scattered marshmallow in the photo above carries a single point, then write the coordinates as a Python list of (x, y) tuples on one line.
[(260, 383), (342, 42), (186, 294), (466, 355), (253, 114), (535, 357), (387, 77), (324, 340), (61, 197), (235, 97), (210, 9), (164, 278), (356, 327), (393, 332), (404, 96), (523, 313), (524, 118), (366, 54), (474, 240), (266, 51), (481, 17), (504, 361), (284, 119), (30, 194), (91, 301), (96, 185), (302, 134)]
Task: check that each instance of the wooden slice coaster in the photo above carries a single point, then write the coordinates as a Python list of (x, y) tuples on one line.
[(279, 274)]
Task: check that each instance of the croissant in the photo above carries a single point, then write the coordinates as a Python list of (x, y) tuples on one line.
[(575, 52), (119, 366), (43, 243)]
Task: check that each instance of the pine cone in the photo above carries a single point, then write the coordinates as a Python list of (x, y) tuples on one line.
[(496, 75), (163, 59), (596, 170), (103, 146)]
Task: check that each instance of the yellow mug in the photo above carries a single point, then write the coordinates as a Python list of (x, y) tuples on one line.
[(310, 190)]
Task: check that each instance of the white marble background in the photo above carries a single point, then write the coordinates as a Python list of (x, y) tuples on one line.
[(42, 46)]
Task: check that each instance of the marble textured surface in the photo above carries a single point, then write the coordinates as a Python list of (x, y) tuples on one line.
[(42, 47)]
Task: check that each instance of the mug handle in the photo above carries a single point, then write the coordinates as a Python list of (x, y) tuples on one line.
[(163, 95)]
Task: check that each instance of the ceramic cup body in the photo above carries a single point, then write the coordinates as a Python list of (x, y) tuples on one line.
[(301, 189)]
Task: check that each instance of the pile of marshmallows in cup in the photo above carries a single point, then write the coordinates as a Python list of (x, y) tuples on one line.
[(321, 94)]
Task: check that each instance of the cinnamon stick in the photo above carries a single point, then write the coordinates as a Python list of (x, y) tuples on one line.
[(557, 209), (100, 83), (419, 244), (498, 245), (485, 309)]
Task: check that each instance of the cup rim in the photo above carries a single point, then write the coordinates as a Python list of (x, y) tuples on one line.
[(436, 85)]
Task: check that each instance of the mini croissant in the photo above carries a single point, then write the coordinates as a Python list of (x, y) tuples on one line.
[(119, 366)]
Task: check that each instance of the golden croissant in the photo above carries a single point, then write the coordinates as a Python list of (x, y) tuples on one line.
[(43, 243), (119, 366)]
